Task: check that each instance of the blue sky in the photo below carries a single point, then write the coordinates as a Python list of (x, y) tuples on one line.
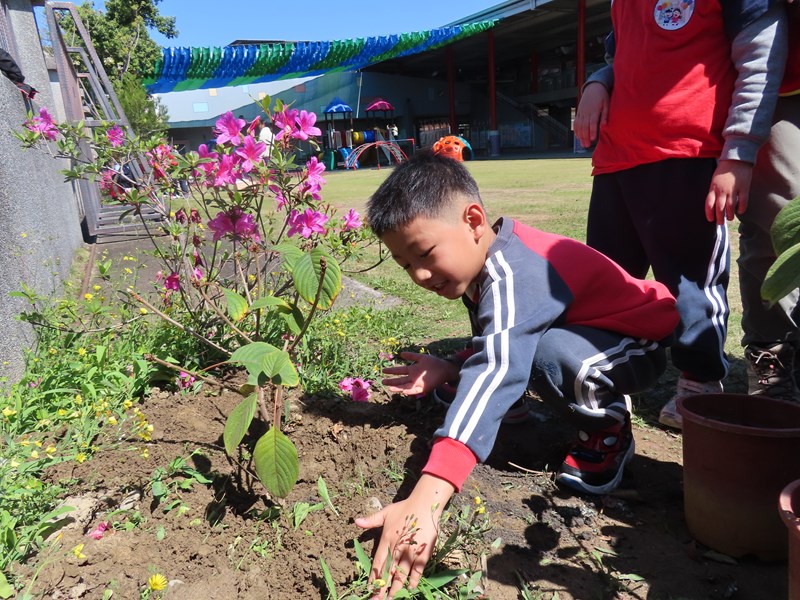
[(217, 23)]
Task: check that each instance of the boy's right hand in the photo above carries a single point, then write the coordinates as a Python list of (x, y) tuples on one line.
[(592, 113), (424, 374)]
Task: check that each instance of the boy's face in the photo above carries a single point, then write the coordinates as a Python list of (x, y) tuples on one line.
[(443, 254)]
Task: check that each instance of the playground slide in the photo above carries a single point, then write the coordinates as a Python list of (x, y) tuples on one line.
[(345, 152)]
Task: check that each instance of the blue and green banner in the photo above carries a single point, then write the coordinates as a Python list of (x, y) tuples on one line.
[(181, 69)]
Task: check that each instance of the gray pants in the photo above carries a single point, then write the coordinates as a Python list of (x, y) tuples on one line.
[(586, 373), (776, 180)]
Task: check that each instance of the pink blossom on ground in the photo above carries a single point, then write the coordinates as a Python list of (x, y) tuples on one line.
[(286, 121), (115, 135), (385, 356), (352, 220), (97, 532), (236, 223), (305, 123), (306, 223), (228, 129), (250, 152), (185, 380), (357, 388), (173, 282)]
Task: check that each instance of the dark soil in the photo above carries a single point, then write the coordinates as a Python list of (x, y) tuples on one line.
[(223, 546)]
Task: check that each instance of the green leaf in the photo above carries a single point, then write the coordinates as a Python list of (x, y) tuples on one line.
[(238, 422), (252, 356), (270, 302), (290, 254), (307, 274), (294, 320), (159, 489), (278, 367), (363, 558), (237, 305), (6, 591), (783, 276), (322, 487), (276, 462), (442, 578), (630, 577), (329, 582), (785, 229)]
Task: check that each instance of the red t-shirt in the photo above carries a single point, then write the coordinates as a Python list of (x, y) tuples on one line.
[(673, 83)]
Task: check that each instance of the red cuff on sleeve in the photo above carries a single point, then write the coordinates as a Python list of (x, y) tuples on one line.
[(450, 460)]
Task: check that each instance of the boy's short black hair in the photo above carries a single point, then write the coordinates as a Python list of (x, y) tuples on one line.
[(423, 186)]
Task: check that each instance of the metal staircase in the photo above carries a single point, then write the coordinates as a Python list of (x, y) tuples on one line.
[(88, 96), (560, 133)]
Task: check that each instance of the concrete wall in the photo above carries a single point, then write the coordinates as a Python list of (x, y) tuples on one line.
[(40, 225)]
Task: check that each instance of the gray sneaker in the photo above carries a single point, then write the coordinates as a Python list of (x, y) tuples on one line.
[(769, 371)]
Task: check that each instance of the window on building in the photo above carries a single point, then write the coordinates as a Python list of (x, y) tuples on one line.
[(199, 107)]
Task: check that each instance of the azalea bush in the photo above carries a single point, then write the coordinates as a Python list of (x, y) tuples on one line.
[(247, 261)]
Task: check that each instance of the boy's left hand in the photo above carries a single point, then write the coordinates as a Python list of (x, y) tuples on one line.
[(729, 190)]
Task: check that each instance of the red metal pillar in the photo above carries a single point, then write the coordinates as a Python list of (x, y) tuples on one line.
[(451, 90), (492, 87), (580, 67)]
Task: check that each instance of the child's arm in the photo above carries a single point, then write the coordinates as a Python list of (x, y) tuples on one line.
[(424, 374), (410, 529), (758, 51)]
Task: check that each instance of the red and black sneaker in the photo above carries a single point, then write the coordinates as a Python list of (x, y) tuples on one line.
[(595, 463)]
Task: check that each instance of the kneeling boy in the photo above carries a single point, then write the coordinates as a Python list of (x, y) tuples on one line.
[(547, 312)]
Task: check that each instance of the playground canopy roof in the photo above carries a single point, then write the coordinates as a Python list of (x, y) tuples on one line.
[(337, 105), (379, 104), (182, 69)]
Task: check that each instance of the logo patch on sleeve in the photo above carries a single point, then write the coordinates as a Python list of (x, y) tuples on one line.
[(673, 14)]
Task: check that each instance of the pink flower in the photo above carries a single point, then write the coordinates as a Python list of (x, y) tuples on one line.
[(43, 124), (306, 223), (280, 199), (305, 124), (185, 380), (97, 532), (173, 282), (285, 121), (227, 129), (236, 223), (180, 216), (194, 216), (115, 135), (357, 387), (251, 152), (225, 174), (352, 220), (206, 167), (197, 274), (315, 170)]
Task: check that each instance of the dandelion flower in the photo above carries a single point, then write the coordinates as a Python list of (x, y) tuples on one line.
[(80, 458), (78, 551), (82, 351), (157, 582), (478, 500), (88, 296), (96, 288), (143, 311)]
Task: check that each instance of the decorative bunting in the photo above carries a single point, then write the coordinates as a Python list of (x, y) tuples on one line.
[(181, 69)]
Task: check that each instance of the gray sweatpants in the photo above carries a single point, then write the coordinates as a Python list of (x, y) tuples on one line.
[(776, 180), (586, 373)]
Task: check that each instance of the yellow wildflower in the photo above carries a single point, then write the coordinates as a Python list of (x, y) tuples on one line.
[(8, 411), (78, 551), (23, 235), (157, 582), (127, 404), (34, 454), (24, 443), (379, 583), (79, 458), (78, 399), (61, 412), (145, 453), (38, 443), (112, 420), (480, 510), (478, 500), (143, 311), (96, 288), (50, 449), (53, 351), (88, 296), (128, 271), (14, 464)]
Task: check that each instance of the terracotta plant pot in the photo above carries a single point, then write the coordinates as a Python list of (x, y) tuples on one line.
[(739, 452), (790, 513)]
